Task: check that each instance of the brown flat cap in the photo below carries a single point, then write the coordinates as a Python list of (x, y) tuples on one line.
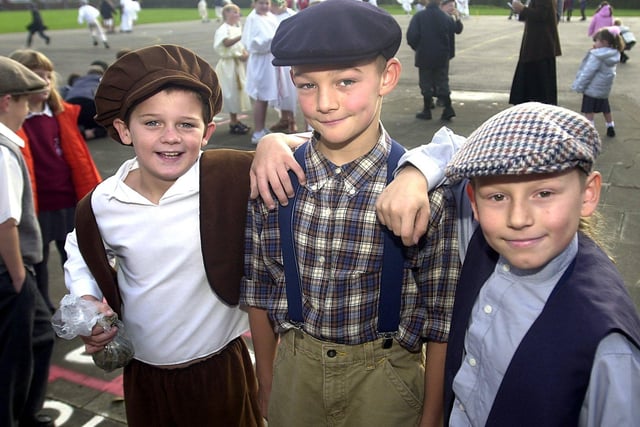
[(16, 79), (142, 73)]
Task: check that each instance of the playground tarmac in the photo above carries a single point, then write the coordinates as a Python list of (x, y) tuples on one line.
[(480, 76)]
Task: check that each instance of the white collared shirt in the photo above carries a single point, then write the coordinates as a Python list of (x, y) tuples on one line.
[(169, 309)]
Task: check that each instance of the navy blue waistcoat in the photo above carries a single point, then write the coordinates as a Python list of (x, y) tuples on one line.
[(547, 378)]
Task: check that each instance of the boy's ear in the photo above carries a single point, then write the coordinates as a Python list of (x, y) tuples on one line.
[(472, 198), (211, 127), (123, 131), (591, 194), (4, 103), (390, 76)]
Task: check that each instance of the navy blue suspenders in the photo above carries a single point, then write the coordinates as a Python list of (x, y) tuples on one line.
[(392, 268)]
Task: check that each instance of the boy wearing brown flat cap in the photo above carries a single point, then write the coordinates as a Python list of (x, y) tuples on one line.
[(25, 330), (191, 366), (353, 311)]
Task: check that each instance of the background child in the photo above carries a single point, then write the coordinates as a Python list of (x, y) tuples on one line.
[(203, 11), (543, 326), (25, 329), (602, 17), (89, 14), (36, 26), (262, 82), (596, 74), (330, 363), (191, 365), (628, 37), (231, 67), (60, 164), (287, 101)]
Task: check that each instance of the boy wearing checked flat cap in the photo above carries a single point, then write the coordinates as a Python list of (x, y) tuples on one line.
[(191, 366), (25, 328), (352, 311), (543, 327)]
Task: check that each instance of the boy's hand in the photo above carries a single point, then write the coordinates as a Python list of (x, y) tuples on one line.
[(99, 338), (403, 206), (270, 167), (264, 393)]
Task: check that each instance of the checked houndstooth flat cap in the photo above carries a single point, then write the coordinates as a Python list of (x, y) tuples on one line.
[(529, 138)]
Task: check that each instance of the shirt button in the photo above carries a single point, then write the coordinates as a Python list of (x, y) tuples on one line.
[(506, 267), (352, 191), (338, 171), (488, 309), (321, 259), (332, 353), (473, 362)]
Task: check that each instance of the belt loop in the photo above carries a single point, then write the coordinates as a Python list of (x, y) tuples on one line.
[(369, 355), (293, 341)]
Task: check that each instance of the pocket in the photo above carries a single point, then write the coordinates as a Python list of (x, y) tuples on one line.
[(407, 380)]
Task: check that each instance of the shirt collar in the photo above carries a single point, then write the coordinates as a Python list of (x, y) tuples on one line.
[(184, 185), (549, 272), (11, 135), (45, 112), (354, 174)]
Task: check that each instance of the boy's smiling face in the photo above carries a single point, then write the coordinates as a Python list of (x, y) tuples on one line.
[(530, 219), (343, 104), (167, 132)]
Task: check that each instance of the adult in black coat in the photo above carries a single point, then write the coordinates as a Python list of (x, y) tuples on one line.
[(535, 75), (429, 35), (36, 26)]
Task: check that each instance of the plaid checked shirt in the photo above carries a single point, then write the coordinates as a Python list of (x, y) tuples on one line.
[(339, 245)]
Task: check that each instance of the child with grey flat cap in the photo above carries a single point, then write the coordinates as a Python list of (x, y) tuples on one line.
[(543, 327), (354, 312), (25, 332)]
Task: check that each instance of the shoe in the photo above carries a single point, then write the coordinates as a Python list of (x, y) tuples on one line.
[(47, 40), (257, 136), (448, 113), (281, 126), (106, 45), (424, 115), (611, 132), (95, 42), (40, 420), (238, 129)]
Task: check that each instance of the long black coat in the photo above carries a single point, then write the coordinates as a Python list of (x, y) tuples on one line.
[(429, 36)]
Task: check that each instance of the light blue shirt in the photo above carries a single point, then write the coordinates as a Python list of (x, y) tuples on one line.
[(506, 307)]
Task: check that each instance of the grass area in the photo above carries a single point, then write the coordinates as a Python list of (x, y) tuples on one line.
[(59, 19)]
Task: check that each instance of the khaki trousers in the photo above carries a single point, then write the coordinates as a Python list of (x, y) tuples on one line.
[(318, 383)]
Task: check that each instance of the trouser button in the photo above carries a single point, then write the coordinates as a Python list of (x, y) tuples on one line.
[(332, 353)]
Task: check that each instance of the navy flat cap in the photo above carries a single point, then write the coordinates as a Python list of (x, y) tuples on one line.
[(336, 32)]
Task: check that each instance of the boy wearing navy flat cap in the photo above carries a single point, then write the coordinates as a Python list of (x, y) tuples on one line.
[(351, 308)]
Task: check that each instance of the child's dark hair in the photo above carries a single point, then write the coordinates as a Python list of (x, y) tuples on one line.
[(612, 36)]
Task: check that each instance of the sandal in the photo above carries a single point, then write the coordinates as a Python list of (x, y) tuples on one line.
[(281, 126), (238, 129)]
